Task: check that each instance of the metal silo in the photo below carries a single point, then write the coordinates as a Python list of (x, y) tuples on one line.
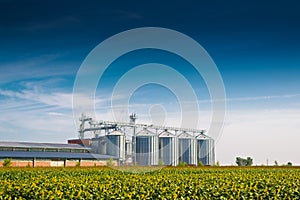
[(187, 148), (116, 144), (168, 148), (146, 148), (99, 144), (205, 150)]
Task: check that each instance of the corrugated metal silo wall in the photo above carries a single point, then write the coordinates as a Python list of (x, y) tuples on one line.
[(146, 150), (187, 151), (168, 151), (206, 151), (116, 146)]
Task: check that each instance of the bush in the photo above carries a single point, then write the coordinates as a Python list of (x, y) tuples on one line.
[(180, 164), (161, 162), (110, 162), (7, 162)]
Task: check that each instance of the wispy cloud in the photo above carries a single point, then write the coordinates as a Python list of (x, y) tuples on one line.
[(56, 114), (33, 115), (256, 98), (264, 97), (33, 67), (49, 24), (63, 100)]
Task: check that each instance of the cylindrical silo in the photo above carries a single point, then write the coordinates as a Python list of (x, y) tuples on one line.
[(146, 148), (187, 148), (99, 144), (116, 144), (168, 148), (205, 150)]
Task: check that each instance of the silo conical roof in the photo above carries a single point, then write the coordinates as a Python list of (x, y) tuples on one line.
[(116, 132), (185, 135), (202, 137), (166, 133), (145, 132)]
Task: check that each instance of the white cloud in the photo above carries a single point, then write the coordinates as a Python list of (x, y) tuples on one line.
[(36, 125), (56, 114), (33, 115)]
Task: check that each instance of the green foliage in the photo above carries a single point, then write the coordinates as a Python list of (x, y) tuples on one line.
[(275, 163), (110, 162), (217, 163), (77, 164), (180, 164), (161, 162), (7, 162), (249, 161), (168, 183), (200, 163), (244, 161), (289, 164)]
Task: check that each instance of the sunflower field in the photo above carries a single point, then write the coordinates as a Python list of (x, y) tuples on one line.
[(166, 183)]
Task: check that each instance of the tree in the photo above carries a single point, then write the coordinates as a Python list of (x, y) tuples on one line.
[(244, 161), (275, 163), (289, 164), (249, 161), (240, 161)]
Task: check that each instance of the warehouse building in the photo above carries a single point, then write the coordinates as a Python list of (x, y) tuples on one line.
[(50, 154)]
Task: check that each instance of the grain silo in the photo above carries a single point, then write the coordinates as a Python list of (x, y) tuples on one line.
[(146, 148), (168, 148), (205, 150), (99, 144), (115, 145), (187, 148)]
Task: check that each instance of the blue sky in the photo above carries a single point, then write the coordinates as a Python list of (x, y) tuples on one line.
[(255, 45)]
